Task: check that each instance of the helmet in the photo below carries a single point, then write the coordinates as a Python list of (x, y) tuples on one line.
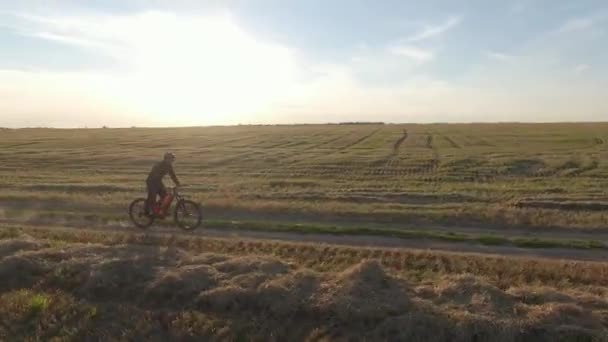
[(169, 156)]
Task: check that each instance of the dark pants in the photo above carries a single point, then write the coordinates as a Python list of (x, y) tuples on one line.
[(154, 189)]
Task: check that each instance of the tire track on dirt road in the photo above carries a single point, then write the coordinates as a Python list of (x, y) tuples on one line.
[(357, 241), (89, 214)]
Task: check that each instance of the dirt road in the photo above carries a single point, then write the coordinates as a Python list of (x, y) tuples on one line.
[(345, 240)]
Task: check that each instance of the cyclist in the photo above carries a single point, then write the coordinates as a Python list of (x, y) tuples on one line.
[(154, 181)]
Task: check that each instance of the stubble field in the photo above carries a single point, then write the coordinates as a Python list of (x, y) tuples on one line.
[(342, 196)]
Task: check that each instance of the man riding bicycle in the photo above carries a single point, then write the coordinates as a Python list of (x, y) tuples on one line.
[(154, 181)]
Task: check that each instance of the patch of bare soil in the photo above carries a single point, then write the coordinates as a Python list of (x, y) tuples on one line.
[(563, 205), (524, 167)]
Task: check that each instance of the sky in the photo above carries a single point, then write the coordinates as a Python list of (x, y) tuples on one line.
[(87, 63)]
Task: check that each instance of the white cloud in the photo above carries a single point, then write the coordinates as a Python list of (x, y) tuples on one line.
[(67, 39), (61, 99), (432, 31), (500, 56), (190, 69), (204, 68), (98, 32), (339, 97), (412, 52)]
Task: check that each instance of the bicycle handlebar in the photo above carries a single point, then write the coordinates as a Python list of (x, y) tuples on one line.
[(175, 189)]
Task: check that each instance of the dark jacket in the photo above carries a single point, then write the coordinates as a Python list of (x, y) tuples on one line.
[(159, 170)]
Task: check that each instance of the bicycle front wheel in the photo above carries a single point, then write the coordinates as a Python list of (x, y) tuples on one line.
[(188, 214)]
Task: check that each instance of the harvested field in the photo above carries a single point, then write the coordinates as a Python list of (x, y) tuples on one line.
[(311, 232), (502, 175)]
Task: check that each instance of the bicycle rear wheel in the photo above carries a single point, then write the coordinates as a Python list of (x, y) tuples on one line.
[(137, 213), (188, 214)]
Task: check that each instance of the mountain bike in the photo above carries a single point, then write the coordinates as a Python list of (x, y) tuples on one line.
[(188, 214)]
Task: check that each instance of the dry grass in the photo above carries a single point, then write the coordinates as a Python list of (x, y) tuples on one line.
[(504, 174), (503, 271), (93, 285), (134, 287)]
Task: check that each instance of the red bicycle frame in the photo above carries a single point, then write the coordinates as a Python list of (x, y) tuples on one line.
[(163, 205)]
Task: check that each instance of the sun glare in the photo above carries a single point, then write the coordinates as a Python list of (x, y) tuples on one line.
[(193, 70)]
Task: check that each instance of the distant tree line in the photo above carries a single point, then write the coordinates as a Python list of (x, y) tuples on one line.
[(316, 124), (362, 123)]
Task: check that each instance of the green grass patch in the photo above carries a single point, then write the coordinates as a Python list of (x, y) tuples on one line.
[(112, 218), (38, 303), (493, 240), (305, 228), (488, 240), (552, 243)]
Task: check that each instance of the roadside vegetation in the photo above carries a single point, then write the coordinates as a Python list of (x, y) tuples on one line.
[(79, 285)]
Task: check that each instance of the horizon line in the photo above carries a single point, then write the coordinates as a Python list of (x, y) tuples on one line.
[(319, 124)]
